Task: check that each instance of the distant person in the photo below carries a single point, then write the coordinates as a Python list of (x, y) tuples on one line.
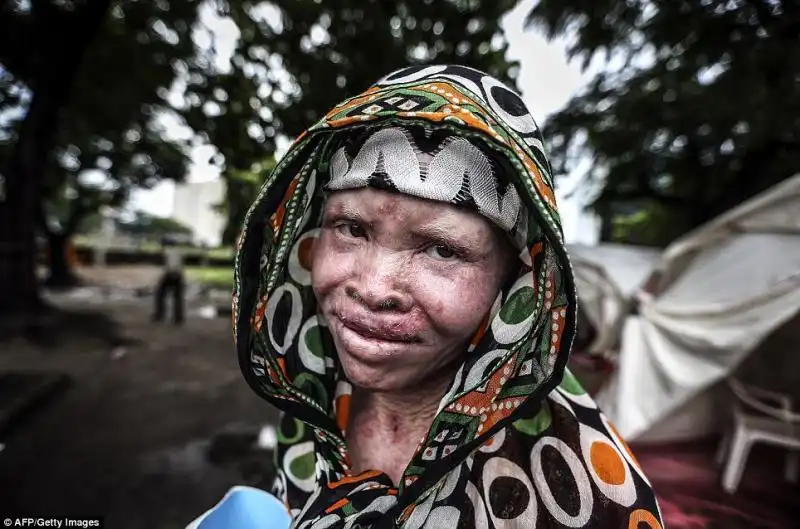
[(404, 296), (171, 283)]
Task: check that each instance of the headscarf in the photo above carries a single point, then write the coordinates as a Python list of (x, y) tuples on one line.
[(516, 441)]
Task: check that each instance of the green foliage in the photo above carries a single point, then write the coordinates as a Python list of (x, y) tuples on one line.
[(241, 190), (281, 78), (286, 75), (295, 60), (61, 207), (215, 277), (110, 125), (109, 137), (698, 110), (652, 226)]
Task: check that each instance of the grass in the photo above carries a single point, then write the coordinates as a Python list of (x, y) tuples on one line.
[(223, 252), (216, 277)]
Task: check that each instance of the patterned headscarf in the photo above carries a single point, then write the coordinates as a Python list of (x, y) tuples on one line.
[(516, 441), (431, 164)]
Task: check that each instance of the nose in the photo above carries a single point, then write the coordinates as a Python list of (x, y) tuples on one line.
[(379, 284)]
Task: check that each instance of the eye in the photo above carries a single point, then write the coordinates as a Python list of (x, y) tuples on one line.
[(352, 229), (442, 252)]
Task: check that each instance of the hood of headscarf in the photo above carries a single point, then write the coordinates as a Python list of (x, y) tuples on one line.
[(517, 356)]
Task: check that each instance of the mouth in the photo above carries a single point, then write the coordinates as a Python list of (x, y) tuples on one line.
[(377, 332)]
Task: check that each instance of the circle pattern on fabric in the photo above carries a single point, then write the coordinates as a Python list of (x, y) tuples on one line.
[(506, 103), (571, 389), (444, 516), (535, 425), (478, 371), (294, 434), (505, 487), (556, 397), (420, 513), (301, 258), (642, 516), (282, 342), (299, 464), (411, 74), (504, 479), (478, 509), (310, 347), (469, 84), (607, 467), (515, 318), (494, 443), (583, 492), (508, 106), (623, 448)]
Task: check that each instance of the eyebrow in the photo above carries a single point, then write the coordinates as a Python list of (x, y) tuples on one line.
[(446, 237), (430, 233), (343, 211)]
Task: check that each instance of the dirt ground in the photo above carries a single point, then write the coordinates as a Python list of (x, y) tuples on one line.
[(129, 439), (158, 423)]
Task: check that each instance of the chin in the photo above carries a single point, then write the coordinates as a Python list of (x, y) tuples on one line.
[(372, 377)]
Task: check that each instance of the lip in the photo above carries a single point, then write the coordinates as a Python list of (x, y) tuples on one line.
[(378, 332)]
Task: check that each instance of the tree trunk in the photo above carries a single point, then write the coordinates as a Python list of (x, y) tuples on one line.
[(58, 260), (19, 292), (19, 289), (18, 282)]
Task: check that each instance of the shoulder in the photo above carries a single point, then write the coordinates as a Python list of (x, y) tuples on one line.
[(566, 457)]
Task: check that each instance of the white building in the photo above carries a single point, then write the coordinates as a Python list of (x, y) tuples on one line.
[(195, 206)]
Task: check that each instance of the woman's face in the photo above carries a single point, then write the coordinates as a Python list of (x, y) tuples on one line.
[(403, 283)]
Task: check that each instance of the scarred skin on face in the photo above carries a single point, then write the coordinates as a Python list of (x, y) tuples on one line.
[(404, 284)]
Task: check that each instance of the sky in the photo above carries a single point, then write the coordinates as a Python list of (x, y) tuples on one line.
[(546, 80)]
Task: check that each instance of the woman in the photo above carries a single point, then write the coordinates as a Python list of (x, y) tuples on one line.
[(420, 362)]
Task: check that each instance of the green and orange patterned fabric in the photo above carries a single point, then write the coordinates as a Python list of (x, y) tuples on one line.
[(516, 442)]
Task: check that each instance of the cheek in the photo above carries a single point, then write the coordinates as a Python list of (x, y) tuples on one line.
[(457, 304), (329, 267)]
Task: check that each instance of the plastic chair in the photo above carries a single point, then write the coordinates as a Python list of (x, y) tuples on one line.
[(759, 416)]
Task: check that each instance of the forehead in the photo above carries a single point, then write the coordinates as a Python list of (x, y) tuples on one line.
[(376, 205)]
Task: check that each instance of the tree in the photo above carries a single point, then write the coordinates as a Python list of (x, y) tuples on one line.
[(110, 129), (295, 60), (27, 31), (282, 77), (240, 192), (698, 110), (109, 138)]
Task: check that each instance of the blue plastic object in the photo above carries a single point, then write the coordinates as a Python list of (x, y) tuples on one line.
[(245, 508)]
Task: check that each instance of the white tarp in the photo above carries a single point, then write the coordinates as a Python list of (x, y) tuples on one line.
[(722, 290), (606, 277)]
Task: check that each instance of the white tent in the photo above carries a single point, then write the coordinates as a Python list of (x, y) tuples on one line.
[(606, 277), (723, 289)]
